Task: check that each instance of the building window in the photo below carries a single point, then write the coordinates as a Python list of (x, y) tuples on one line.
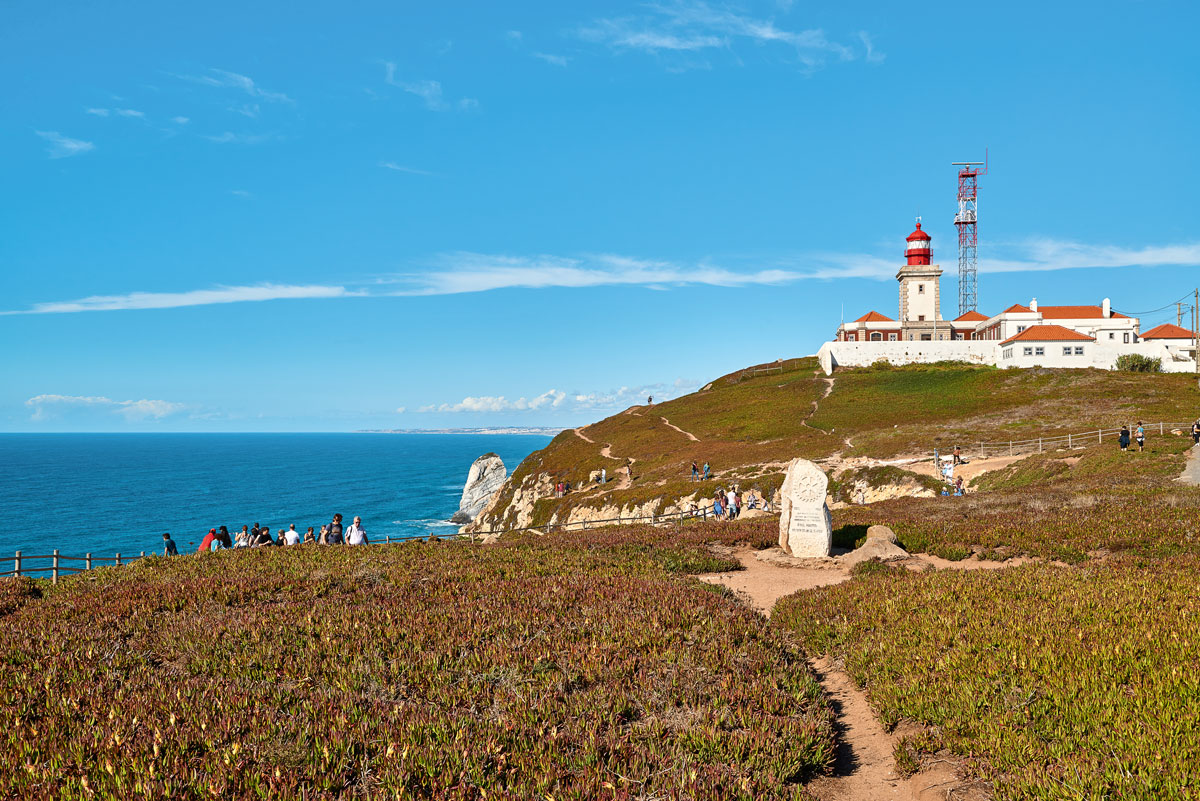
[(851, 337), (1039, 351), (1126, 337), (1028, 351), (1008, 353), (1112, 335), (891, 337), (1079, 350), (1067, 350), (958, 336), (920, 289), (876, 337), (1020, 328), (921, 319)]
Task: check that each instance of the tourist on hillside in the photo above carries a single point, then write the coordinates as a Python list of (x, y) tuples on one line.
[(629, 468), (716, 507), (291, 536), (731, 503), (308, 535), (223, 538), (957, 455), (242, 540), (206, 543), (706, 471), (695, 472), (1124, 438), (1196, 433), (356, 534), (1140, 436), (169, 548), (254, 531), (323, 537), (958, 486), (603, 475), (264, 538), (333, 532)]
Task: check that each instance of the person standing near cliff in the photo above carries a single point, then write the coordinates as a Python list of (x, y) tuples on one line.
[(169, 548), (706, 471), (356, 534), (1140, 436), (695, 472), (333, 534)]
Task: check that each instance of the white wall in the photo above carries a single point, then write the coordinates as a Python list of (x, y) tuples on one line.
[(1102, 354)]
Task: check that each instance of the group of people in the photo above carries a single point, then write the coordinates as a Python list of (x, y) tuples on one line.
[(728, 503), (257, 536), (1139, 434), (696, 472)]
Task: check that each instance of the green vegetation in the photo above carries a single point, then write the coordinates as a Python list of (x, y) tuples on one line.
[(580, 667), (1137, 363), (1048, 682), (1108, 500)]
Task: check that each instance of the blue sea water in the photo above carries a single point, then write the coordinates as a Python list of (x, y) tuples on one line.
[(110, 493)]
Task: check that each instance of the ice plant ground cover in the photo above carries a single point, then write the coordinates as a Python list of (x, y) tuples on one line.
[(588, 668), (1049, 682)]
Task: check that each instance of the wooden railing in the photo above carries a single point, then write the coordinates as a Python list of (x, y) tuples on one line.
[(1059, 441), (56, 567)]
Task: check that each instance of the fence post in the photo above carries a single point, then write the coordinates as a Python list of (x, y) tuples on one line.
[(1010, 447), (118, 558), (1039, 444), (1160, 429), (1068, 442), (1101, 434), (17, 563), (54, 569), (142, 555), (87, 562)]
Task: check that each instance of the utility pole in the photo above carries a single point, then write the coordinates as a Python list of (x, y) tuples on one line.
[(1179, 312), (1196, 329)]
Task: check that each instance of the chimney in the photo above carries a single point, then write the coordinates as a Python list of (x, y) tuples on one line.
[(1106, 308), (1033, 305)]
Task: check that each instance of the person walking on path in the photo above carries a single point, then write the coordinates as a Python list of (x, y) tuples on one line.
[(1140, 436), (957, 455), (603, 475), (1124, 438), (1196, 433), (333, 535), (629, 468), (169, 548), (695, 472), (706, 471), (356, 534)]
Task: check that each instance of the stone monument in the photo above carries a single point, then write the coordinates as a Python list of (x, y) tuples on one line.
[(805, 526)]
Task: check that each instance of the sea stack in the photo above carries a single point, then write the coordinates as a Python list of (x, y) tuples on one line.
[(485, 477)]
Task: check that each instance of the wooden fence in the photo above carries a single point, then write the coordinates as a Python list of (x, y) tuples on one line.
[(778, 367), (56, 568), (1061, 441)]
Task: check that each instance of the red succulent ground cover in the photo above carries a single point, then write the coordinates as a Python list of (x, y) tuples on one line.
[(448, 671)]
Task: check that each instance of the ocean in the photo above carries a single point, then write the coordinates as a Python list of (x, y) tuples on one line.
[(118, 493)]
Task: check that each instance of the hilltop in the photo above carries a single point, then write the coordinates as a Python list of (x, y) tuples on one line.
[(747, 425)]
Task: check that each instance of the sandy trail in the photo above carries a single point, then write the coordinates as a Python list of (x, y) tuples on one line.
[(1191, 471), (864, 766), (687, 434), (579, 433), (970, 470)]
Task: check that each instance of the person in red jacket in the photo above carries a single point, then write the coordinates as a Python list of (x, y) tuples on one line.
[(208, 539)]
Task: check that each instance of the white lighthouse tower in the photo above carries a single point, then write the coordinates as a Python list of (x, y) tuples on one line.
[(920, 291)]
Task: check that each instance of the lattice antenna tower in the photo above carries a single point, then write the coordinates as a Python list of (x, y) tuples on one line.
[(966, 221)]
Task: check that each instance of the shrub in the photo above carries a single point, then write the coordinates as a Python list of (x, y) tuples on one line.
[(1137, 363)]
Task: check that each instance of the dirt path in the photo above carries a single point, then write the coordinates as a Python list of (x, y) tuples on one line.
[(579, 433), (864, 765), (1191, 471), (687, 434), (970, 470), (816, 403), (626, 472)]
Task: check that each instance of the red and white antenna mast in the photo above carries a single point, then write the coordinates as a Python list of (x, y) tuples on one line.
[(968, 238)]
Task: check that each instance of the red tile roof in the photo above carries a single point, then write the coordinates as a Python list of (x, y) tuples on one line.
[(1048, 333), (970, 317), (1016, 308), (1075, 313), (874, 317), (1167, 331)]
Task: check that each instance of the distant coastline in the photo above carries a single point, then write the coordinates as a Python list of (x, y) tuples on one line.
[(549, 432)]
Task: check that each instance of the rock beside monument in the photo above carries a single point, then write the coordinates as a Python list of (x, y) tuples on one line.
[(486, 475), (805, 525), (874, 548), (881, 533)]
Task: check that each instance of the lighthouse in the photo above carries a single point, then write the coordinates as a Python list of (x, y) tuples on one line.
[(920, 290)]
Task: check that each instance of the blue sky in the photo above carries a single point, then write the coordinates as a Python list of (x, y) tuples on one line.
[(298, 217)]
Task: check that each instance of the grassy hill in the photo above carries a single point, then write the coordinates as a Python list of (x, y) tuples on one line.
[(748, 424)]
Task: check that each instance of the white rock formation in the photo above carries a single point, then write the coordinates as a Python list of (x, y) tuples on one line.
[(805, 525), (487, 475)]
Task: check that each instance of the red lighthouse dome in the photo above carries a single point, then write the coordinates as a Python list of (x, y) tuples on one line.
[(918, 250)]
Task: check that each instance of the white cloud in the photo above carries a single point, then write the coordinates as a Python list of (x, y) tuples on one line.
[(180, 120), (229, 137), (129, 112), (690, 26), (223, 78), (550, 58), (99, 112), (63, 146), (240, 193), (48, 405), (401, 409), (551, 398), (429, 91), (391, 165), (872, 56), (196, 297)]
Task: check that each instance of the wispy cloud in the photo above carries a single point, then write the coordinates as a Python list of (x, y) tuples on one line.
[(98, 112), (232, 80), (45, 406), (240, 193), (550, 58), (686, 26), (229, 137), (63, 146), (873, 56), (429, 91), (195, 297), (487, 403), (1041, 255), (180, 120), (119, 112), (391, 165)]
